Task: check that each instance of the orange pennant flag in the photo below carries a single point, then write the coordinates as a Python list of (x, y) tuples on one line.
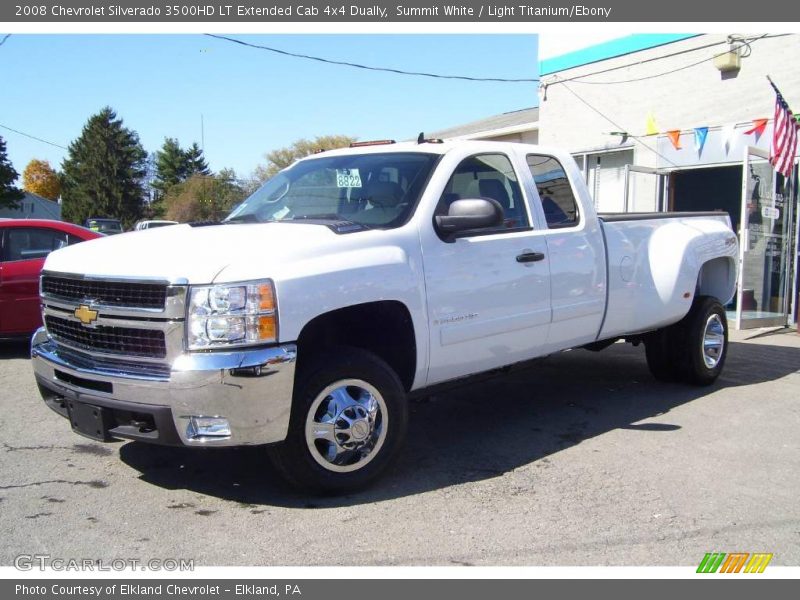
[(758, 127), (675, 138)]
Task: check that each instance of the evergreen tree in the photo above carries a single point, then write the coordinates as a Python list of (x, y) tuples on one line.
[(9, 193), (171, 166), (195, 161), (104, 171)]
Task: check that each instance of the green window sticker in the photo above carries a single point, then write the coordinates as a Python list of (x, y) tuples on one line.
[(348, 178)]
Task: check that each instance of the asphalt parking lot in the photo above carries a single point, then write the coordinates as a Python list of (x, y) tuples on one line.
[(580, 459)]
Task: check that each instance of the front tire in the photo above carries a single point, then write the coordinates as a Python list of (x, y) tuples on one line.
[(349, 416)]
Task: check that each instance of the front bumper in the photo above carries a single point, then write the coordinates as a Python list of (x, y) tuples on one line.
[(252, 389)]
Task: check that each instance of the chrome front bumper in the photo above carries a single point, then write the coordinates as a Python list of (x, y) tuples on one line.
[(252, 389)]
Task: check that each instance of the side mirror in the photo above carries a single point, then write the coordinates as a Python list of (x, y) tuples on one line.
[(470, 214)]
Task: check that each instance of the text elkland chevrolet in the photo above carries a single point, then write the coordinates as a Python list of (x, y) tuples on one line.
[(355, 277)]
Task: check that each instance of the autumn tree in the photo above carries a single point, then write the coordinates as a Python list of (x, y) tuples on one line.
[(104, 171), (283, 157), (40, 178), (203, 197), (10, 194)]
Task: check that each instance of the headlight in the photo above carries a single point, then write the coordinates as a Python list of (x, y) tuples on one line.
[(234, 314)]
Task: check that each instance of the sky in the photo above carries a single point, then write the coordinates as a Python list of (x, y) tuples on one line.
[(252, 101)]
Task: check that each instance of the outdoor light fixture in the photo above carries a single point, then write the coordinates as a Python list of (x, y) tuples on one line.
[(731, 60)]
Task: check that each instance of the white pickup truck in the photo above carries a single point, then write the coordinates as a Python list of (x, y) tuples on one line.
[(357, 277)]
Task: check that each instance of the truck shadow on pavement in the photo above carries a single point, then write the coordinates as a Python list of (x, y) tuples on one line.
[(15, 349), (483, 430)]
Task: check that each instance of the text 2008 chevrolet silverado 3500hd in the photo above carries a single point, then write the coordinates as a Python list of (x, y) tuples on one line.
[(355, 277)]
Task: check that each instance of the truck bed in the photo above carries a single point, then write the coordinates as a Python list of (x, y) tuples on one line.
[(646, 216), (652, 261)]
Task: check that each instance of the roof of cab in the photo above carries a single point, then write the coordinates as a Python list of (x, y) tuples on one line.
[(426, 147), (442, 148)]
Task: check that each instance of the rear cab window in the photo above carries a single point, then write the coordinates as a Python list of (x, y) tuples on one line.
[(488, 176), (555, 192)]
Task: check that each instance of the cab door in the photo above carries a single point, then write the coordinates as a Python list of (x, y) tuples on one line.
[(576, 255), (489, 292)]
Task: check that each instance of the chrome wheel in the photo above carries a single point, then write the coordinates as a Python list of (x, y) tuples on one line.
[(713, 341), (346, 425)]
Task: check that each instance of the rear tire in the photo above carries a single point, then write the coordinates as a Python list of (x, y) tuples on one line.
[(694, 349), (703, 342), (348, 421)]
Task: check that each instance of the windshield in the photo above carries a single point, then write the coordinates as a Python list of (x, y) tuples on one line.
[(152, 224), (104, 226), (374, 190)]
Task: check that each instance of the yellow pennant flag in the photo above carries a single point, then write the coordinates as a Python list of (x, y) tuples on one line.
[(651, 128)]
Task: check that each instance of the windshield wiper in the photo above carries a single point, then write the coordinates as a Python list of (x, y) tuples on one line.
[(242, 219), (319, 217)]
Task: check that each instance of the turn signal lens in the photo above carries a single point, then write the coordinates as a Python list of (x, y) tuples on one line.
[(266, 328), (266, 297)]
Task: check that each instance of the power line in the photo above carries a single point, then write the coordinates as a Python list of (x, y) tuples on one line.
[(744, 43), (367, 67), (33, 137), (5, 39), (580, 78), (619, 127)]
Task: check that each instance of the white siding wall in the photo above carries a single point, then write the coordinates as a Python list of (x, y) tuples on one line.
[(693, 97)]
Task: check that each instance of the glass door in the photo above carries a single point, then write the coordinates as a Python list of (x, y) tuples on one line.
[(646, 189), (765, 236)]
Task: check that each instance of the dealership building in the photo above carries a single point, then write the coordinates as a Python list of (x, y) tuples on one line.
[(684, 122)]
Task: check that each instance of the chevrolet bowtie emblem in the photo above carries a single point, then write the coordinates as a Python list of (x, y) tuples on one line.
[(85, 314)]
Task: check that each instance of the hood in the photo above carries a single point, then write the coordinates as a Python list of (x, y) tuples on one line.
[(195, 254)]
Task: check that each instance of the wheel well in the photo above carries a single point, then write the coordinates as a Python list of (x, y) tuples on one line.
[(717, 278), (383, 328)]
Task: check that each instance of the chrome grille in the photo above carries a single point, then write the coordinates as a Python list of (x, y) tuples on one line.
[(107, 293), (125, 341), (113, 366)]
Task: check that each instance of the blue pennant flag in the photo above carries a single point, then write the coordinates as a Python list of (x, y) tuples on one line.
[(700, 135)]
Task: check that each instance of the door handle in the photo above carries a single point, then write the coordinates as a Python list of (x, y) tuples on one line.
[(527, 257)]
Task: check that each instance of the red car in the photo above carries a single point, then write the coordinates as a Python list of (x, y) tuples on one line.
[(24, 244)]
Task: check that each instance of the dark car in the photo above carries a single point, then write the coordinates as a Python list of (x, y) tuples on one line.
[(24, 244), (103, 225)]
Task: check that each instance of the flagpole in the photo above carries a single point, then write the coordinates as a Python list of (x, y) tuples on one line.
[(774, 87), (790, 189)]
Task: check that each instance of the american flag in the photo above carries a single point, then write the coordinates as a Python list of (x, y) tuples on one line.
[(784, 137)]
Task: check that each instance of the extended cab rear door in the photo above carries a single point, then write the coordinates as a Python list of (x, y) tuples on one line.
[(488, 293), (575, 249)]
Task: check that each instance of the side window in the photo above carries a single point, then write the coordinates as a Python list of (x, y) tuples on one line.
[(28, 243), (555, 192), (487, 176)]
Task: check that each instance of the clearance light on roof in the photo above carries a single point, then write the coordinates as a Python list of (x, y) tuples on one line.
[(421, 139), (372, 143)]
